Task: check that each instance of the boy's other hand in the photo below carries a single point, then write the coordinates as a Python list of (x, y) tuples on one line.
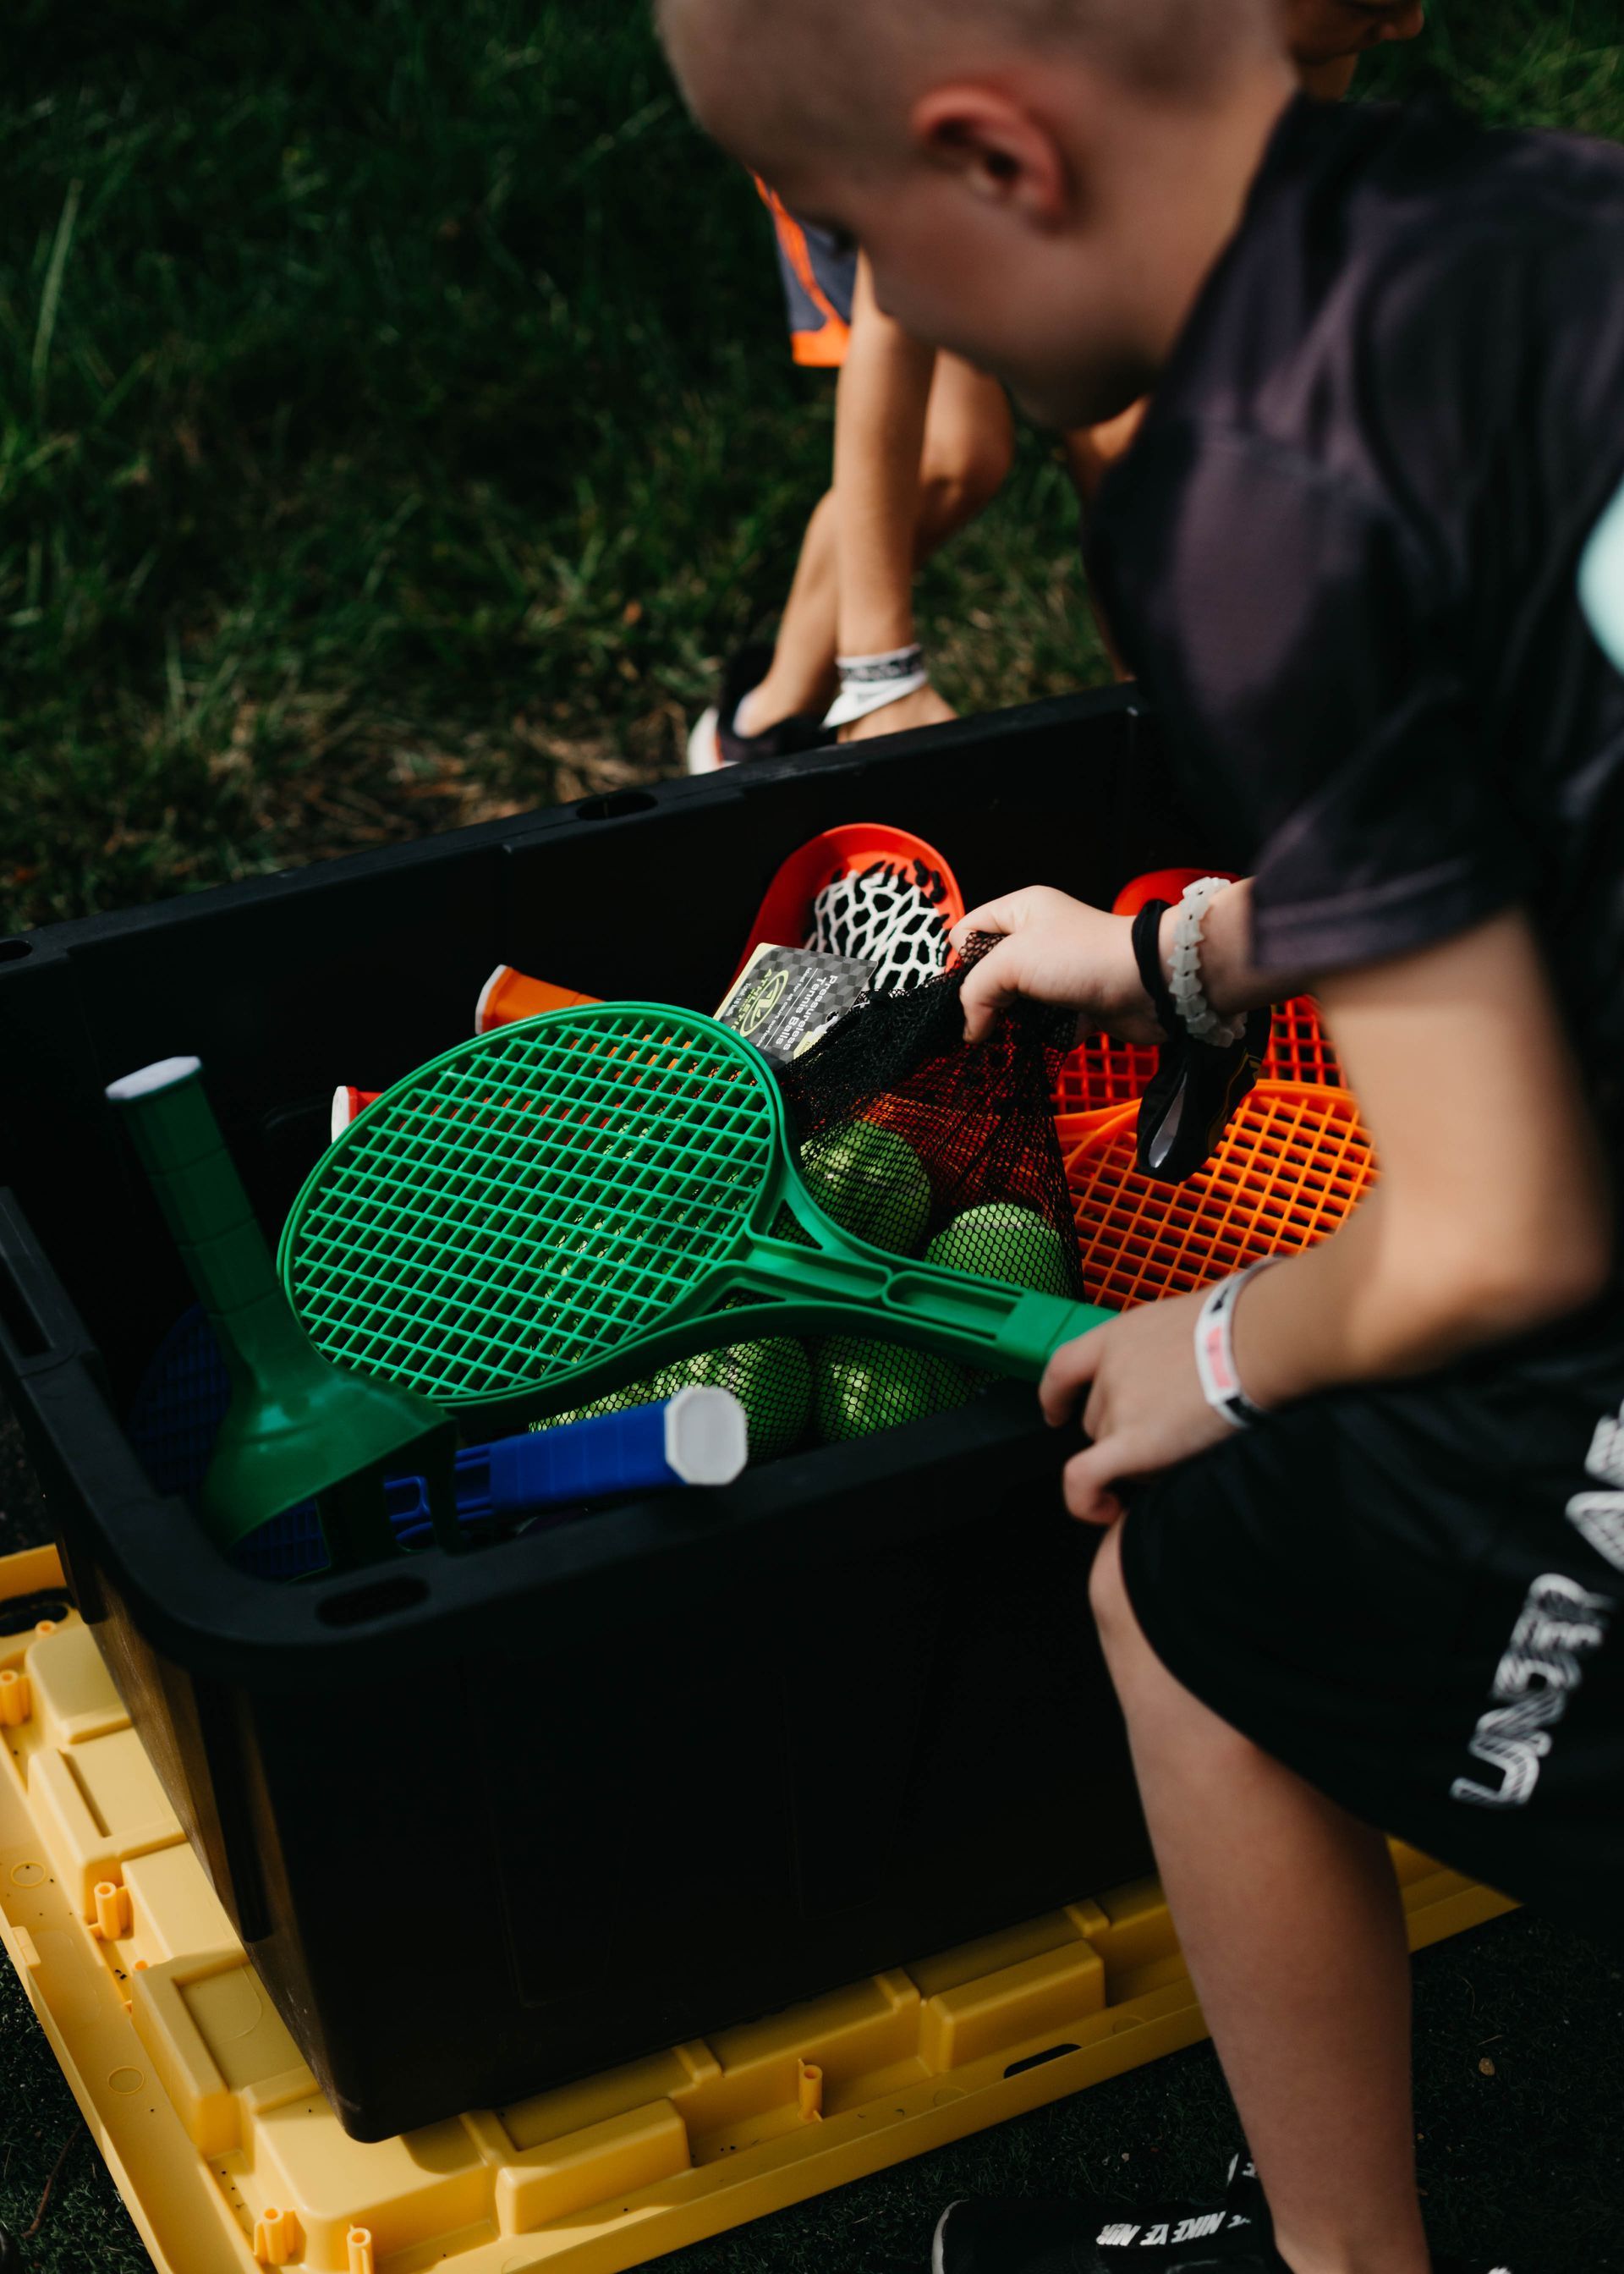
[(1055, 950), (1144, 1408), (926, 708)]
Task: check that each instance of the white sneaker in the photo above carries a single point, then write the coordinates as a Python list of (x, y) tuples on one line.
[(705, 756)]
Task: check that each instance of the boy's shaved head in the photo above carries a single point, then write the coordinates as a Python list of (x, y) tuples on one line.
[(1039, 185), (837, 59)]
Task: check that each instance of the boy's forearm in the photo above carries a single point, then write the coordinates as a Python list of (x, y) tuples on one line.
[(1366, 1306), (879, 439)]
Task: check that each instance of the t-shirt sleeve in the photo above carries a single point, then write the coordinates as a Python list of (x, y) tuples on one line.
[(1297, 639)]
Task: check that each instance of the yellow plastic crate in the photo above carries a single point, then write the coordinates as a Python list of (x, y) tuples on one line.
[(229, 2158)]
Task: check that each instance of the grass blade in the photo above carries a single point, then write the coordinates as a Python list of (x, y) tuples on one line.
[(50, 299)]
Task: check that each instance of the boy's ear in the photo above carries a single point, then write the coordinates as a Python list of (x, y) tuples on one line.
[(1004, 154)]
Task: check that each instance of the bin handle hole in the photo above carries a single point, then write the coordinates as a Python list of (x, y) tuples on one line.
[(1036, 2060), (615, 804), (12, 951)]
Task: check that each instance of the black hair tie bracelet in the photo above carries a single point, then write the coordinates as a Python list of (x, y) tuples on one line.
[(1192, 1095)]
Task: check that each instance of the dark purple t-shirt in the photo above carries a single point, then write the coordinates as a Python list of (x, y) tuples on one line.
[(1341, 557)]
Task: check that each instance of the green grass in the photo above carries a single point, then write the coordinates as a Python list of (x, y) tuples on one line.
[(395, 425)]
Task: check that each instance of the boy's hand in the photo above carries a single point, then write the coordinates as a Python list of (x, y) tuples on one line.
[(924, 708), (1055, 950), (1144, 1410)]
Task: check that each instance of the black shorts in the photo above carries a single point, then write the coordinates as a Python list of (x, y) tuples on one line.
[(1413, 1595), (818, 270)]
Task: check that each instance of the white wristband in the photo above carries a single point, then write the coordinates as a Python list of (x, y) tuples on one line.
[(1185, 971), (869, 683), (1214, 1350)]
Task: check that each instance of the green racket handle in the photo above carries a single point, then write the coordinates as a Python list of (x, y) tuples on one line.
[(178, 1142), (843, 1286), (982, 1322)]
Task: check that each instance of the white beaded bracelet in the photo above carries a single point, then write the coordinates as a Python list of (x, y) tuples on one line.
[(1185, 969)]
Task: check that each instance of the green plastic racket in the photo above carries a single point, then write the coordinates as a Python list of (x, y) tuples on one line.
[(546, 1213)]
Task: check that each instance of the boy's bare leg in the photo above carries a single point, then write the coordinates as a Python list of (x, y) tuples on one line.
[(1290, 1919), (801, 681), (922, 443)]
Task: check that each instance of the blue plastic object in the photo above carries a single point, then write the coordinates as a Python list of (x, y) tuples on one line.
[(699, 1436)]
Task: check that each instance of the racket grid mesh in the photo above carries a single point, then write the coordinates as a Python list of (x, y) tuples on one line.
[(531, 1203), (1293, 1165), (1101, 1071)]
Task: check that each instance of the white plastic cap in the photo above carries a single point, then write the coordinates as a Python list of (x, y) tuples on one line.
[(707, 1435), (163, 1073), (482, 1008)]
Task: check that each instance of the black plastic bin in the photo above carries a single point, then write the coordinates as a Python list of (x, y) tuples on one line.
[(491, 1821)]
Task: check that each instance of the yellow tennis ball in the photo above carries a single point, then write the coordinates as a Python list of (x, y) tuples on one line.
[(871, 1183), (772, 1380), (866, 1386), (1003, 1242)]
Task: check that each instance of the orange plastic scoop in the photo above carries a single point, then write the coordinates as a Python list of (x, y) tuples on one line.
[(894, 860), (1104, 1072), (1293, 1165)]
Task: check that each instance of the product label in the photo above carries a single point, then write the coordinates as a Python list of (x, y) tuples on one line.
[(788, 998)]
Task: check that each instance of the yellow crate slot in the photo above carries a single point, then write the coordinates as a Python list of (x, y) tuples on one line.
[(230, 2160), (1046, 1998), (98, 1806), (177, 1913), (75, 1700), (423, 2187), (618, 2157)]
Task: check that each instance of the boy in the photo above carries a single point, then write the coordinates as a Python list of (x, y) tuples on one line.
[(1387, 354), (922, 444)]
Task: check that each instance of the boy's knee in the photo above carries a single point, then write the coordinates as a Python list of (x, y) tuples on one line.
[(959, 476), (1107, 1596)]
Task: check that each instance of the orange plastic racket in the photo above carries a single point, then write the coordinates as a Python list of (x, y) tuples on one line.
[(1101, 1071), (1104, 1072), (1299, 1048), (1292, 1166)]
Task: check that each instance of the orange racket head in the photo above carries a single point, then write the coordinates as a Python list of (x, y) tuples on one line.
[(1103, 1072), (1293, 1165), (1299, 1048), (787, 914)]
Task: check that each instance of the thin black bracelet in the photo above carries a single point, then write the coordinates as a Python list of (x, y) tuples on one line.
[(1147, 955)]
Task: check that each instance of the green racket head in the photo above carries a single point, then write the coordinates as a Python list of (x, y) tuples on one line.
[(524, 1205)]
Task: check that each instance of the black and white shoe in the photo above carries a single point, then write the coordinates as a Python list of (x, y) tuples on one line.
[(715, 741), (1231, 2236), (1094, 2236)]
